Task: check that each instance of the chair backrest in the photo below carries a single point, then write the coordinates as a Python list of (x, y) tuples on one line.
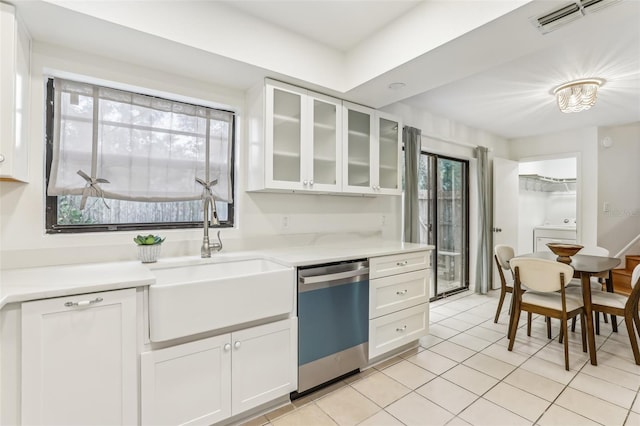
[(504, 253), (635, 276), (541, 275), (594, 251)]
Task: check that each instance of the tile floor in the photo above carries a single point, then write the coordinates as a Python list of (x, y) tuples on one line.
[(463, 374)]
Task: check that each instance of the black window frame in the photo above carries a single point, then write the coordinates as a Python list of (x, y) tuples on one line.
[(51, 202)]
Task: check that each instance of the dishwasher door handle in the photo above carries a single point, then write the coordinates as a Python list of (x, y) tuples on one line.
[(333, 277)]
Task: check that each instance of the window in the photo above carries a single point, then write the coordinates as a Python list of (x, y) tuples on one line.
[(118, 160)]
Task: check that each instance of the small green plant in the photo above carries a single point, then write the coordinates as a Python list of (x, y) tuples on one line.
[(148, 240)]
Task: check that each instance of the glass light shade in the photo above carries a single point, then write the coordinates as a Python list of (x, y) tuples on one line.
[(578, 95)]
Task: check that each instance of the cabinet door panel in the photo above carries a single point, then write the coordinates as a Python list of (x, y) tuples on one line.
[(324, 170), (284, 137), (264, 364), (187, 384), (399, 328), (79, 362), (390, 294), (358, 154), (389, 153)]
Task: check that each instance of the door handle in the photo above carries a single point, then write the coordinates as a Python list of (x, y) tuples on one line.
[(496, 229)]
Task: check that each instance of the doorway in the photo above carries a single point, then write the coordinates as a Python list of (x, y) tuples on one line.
[(443, 194)]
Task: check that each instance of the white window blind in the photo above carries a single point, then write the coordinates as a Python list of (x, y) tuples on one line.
[(120, 145)]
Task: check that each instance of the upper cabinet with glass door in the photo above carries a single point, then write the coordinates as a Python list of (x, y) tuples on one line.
[(300, 149), (371, 150)]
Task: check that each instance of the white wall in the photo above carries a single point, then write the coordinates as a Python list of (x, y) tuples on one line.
[(583, 143), (23, 241), (619, 186)]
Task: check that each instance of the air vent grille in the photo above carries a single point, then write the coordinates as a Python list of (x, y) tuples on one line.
[(569, 12)]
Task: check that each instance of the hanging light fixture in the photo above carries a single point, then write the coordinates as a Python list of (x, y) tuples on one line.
[(577, 95)]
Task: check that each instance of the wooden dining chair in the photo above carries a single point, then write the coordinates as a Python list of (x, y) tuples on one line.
[(503, 254), (618, 304), (545, 295)]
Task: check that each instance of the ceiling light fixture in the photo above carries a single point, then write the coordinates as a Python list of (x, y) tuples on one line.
[(577, 95)]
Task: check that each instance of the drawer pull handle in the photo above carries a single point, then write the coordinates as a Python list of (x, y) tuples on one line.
[(401, 329), (402, 292), (403, 263), (84, 302)]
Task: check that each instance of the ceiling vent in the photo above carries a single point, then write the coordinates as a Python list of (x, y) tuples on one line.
[(569, 12)]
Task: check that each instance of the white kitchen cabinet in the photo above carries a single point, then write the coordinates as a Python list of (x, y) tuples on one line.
[(15, 50), (206, 381), (398, 300), (187, 384), (372, 147), (79, 362), (300, 149)]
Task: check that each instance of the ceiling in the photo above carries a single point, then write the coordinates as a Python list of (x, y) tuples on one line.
[(492, 72)]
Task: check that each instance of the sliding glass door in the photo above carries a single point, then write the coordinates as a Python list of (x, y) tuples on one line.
[(444, 220)]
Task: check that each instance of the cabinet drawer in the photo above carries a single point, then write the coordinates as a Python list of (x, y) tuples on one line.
[(390, 294), (394, 330), (396, 264)]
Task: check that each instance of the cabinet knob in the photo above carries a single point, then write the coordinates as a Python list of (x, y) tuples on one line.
[(401, 329), (401, 292), (305, 182), (237, 344), (227, 347), (311, 182), (1, 158), (403, 263)]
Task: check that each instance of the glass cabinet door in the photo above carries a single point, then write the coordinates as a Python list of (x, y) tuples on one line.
[(325, 172), (388, 154), (358, 149), (286, 135)]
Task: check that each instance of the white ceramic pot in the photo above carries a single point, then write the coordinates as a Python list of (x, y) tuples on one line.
[(149, 254)]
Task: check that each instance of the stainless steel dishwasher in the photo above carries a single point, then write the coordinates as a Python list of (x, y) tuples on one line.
[(333, 321)]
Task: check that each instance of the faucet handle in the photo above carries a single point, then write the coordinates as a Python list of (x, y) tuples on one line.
[(218, 245)]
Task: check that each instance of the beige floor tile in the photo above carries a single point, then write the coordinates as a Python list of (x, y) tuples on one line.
[(558, 416), (414, 410), (447, 395), (549, 370), (534, 383), (470, 342), (444, 310), (411, 352), (636, 405), (502, 326), (483, 412), (619, 349), (518, 401), (486, 334), (441, 331), (410, 375), (471, 318), (435, 317), (347, 407), (500, 352), (470, 379), (258, 421), (554, 352), (381, 389), (602, 389), (611, 360), (457, 421), (612, 375), (432, 361), (456, 324), (591, 407), (318, 394), (488, 365), (524, 344), (278, 412), (453, 351), (633, 419), (381, 418), (309, 415), (388, 363), (429, 340)]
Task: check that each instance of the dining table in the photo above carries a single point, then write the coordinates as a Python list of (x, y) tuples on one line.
[(585, 266)]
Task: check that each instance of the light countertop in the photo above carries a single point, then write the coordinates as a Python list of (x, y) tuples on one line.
[(24, 284)]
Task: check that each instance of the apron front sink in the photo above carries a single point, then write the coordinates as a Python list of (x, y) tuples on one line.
[(191, 299)]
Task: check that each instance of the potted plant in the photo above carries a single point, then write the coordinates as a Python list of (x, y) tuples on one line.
[(148, 247)]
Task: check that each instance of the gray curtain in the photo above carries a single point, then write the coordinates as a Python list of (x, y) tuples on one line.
[(485, 238), (412, 147)]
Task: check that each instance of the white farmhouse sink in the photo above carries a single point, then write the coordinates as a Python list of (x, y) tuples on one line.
[(191, 299)]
